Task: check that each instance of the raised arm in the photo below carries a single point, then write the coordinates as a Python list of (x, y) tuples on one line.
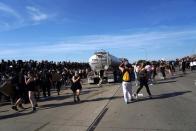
[(75, 80), (121, 67)]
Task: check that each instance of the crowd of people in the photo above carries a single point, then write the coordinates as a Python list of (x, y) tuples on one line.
[(144, 73), (29, 78)]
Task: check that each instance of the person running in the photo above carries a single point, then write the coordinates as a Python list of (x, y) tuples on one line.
[(154, 72), (171, 68), (101, 74), (143, 79), (20, 90), (56, 80), (76, 86), (136, 69), (126, 70), (46, 79), (183, 66), (148, 68), (30, 82), (162, 69)]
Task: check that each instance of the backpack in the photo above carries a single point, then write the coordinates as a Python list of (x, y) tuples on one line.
[(126, 76)]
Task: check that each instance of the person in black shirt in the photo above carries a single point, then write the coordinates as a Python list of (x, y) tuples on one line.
[(143, 79), (76, 87), (20, 90), (183, 66), (162, 69), (101, 74), (30, 82), (46, 79)]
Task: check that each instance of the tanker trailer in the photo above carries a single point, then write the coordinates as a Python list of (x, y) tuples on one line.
[(104, 62)]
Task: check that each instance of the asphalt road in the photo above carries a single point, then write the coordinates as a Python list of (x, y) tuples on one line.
[(103, 109), (173, 108)]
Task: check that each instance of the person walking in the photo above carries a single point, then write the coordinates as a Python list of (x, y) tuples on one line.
[(76, 86), (136, 69), (143, 79), (162, 69), (46, 79), (148, 68), (154, 72), (126, 70), (30, 82), (101, 74), (20, 90), (183, 66)]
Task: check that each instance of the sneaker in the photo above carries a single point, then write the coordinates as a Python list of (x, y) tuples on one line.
[(15, 108), (99, 85)]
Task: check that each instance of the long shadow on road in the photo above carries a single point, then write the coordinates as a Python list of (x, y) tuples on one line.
[(62, 97), (163, 82), (49, 106), (163, 96), (17, 114)]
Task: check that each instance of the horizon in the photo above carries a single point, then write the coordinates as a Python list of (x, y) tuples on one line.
[(25, 60)]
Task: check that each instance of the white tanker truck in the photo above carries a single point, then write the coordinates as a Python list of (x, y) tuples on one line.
[(104, 62)]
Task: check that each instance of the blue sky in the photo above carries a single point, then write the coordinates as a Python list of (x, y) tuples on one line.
[(72, 30)]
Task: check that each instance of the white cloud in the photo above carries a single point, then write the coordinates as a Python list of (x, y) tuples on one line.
[(5, 8), (10, 18), (133, 42), (129, 40), (36, 14)]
